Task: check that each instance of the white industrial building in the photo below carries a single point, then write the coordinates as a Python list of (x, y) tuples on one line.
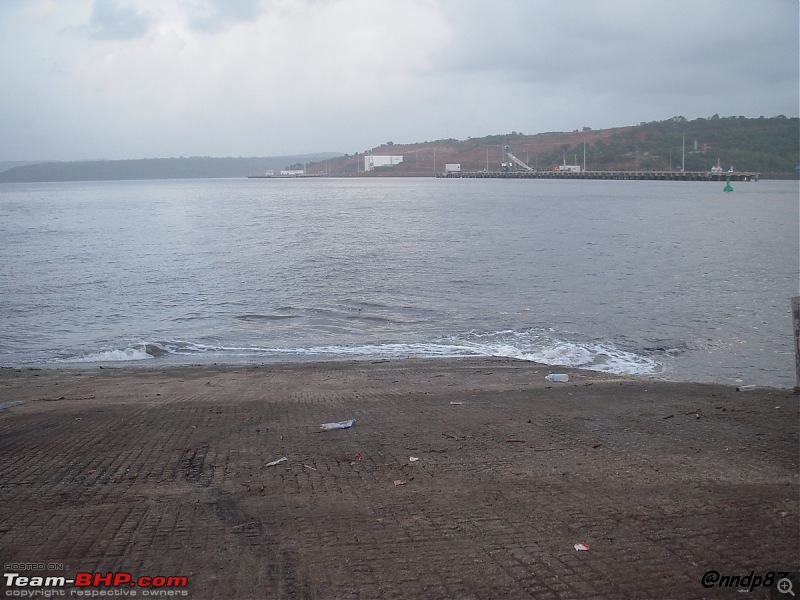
[(371, 161)]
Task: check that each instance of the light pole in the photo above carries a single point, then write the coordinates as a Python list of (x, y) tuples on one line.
[(683, 153)]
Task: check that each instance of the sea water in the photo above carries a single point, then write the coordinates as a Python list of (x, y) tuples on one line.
[(672, 280)]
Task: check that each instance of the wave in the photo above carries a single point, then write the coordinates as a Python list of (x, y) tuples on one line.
[(342, 316), (536, 345), (124, 354), (542, 346), (138, 351), (667, 347), (264, 317)]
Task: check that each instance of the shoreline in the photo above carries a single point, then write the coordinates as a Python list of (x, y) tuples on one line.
[(178, 471), (143, 365)]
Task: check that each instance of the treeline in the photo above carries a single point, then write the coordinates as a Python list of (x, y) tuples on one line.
[(195, 167), (765, 145)]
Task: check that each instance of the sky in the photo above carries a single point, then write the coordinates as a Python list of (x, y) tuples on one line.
[(117, 79)]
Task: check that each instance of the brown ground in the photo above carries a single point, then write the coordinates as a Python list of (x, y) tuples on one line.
[(164, 472)]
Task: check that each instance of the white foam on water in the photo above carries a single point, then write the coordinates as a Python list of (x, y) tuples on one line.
[(124, 354), (542, 347), (138, 351), (538, 346)]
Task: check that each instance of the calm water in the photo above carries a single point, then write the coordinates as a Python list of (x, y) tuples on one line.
[(664, 279)]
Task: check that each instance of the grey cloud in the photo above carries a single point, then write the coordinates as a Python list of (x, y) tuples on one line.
[(619, 46), (111, 21), (525, 65), (217, 15)]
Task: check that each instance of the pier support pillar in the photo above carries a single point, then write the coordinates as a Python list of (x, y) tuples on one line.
[(796, 324)]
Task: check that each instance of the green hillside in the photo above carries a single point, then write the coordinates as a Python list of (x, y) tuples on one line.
[(764, 145), (770, 146)]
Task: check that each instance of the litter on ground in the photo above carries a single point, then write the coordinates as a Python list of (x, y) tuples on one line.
[(581, 546), (338, 425)]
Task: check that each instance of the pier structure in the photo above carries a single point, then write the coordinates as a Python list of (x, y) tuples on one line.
[(610, 175)]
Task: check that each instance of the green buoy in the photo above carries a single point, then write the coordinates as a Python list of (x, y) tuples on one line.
[(727, 187)]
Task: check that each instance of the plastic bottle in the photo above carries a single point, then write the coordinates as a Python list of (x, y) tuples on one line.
[(338, 425), (558, 377)]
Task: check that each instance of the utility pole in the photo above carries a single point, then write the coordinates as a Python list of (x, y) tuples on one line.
[(683, 153)]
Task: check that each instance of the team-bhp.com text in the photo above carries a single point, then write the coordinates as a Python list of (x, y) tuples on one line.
[(94, 585)]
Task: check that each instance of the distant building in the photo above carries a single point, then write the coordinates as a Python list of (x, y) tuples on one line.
[(371, 161), (452, 168), (292, 172)]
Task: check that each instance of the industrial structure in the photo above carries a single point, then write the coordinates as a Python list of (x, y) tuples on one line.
[(371, 161), (511, 163), (561, 173)]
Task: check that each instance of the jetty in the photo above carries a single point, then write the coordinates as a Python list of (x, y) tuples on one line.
[(610, 175)]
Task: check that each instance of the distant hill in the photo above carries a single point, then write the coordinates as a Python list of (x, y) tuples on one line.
[(765, 145), (770, 146), (195, 167), (5, 165)]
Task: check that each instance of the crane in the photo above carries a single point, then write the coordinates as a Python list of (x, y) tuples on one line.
[(507, 165)]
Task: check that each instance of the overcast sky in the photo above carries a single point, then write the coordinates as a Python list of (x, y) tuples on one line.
[(84, 79)]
